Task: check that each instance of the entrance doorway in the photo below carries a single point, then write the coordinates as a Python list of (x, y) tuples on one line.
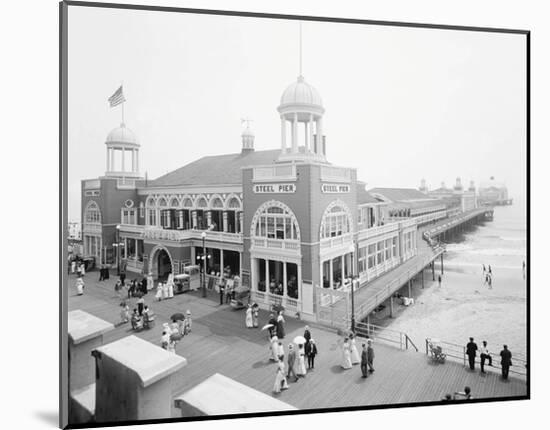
[(164, 265)]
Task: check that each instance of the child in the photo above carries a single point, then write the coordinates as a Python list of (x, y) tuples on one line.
[(124, 313)]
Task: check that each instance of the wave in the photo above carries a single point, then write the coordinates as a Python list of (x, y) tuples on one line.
[(452, 263), (500, 252)]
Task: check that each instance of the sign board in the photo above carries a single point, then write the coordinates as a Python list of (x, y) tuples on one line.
[(274, 188), (335, 188)]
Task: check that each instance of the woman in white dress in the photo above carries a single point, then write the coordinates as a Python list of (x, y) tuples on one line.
[(274, 347), (280, 378), (158, 295), (150, 283), (170, 289), (346, 355), (301, 369), (79, 286), (248, 320), (354, 354), (164, 291)]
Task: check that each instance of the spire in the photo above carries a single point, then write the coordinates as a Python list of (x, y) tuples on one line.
[(300, 25), (247, 136)]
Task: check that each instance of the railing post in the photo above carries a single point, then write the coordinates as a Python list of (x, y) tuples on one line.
[(406, 342)]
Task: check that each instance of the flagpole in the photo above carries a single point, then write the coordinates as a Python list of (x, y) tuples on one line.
[(122, 90)]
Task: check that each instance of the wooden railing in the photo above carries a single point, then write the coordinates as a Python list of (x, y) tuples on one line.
[(331, 242), (379, 333), (276, 243)]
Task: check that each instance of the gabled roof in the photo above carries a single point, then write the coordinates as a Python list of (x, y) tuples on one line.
[(216, 169), (400, 194), (364, 197)]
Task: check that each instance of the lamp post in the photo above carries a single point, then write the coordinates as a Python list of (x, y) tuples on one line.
[(203, 236), (117, 250)]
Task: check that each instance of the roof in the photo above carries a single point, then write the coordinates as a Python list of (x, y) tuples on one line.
[(220, 395), (216, 169), (364, 197), (150, 362), (122, 135), (301, 93), (400, 194), (83, 326)]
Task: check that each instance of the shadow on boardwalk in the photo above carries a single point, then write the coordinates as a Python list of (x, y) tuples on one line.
[(220, 343)]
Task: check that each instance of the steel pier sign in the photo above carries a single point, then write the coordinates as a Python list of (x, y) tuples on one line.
[(274, 188), (335, 188)]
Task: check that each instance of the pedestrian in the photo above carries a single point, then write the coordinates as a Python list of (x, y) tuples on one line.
[(158, 295), (280, 326), (188, 322), (82, 269), (274, 348), (137, 321), (273, 322), (311, 352), (307, 334), (370, 355), (346, 355), (280, 351), (131, 287), (290, 360), (140, 305), (248, 320), (484, 355), (486, 279), (124, 312), (165, 339), (484, 269), (228, 291), (489, 270), (490, 280), (280, 379), (144, 285), (301, 361), (221, 288), (73, 266), (164, 290), (471, 349), (364, 361), (100, 273), (79, 286), (439, 279), (464, 395), (255, 311), (354, 354), (505, 361), (118, 289), (78, 270), (170, 289)]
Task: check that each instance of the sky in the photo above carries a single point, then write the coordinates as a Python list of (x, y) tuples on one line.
[(401, 103)]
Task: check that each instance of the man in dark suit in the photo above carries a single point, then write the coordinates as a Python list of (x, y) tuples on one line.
[(505, 361), (364, 361), (291, 359), (221, 287), (307, 334), (471, 349), (273, 322)]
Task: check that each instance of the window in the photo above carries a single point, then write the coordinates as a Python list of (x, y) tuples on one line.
[(275, 222), (394, 247), (380, 252), (362, 260), (92, 214), (141, 210), (371, 255), (151, 216), (129, 216), (336, 222), (166, 216), (388, 249)]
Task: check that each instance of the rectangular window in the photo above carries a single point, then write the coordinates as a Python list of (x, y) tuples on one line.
[(279, 228), (388, 249), (141, 212), (270, 227), (380, 252), (152, 217)]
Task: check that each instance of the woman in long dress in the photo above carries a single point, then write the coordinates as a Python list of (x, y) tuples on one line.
[(274, 347), (280, 378), (255, 322), (248, 320), (354, 354), (170, 288), (165, 290), (301, 370), (280, 325), (158, 295), (79, 286), (346, 355)]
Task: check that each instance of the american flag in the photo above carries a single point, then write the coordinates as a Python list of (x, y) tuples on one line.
[(117, 98)]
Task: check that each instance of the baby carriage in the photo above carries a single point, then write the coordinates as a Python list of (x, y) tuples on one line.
[(241, 297)]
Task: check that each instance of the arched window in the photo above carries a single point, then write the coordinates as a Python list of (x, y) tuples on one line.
[(187, 203), (275, 220), (151, 210), (92, 214), (174, 202), (201, 202), (216, 203), (336, 220), (162, 202), (234, 203)]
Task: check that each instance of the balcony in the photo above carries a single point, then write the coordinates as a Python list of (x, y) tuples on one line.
[(158, 233), (283, 172), (378, 231), (291, 245), (337, 241)]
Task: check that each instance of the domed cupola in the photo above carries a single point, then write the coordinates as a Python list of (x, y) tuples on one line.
[(122, 153), (301, 106), (458, 185), (247, 137)]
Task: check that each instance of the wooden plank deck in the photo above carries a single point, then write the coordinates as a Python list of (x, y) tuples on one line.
[(220, 343)]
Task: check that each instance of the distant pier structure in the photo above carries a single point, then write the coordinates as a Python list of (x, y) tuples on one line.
[(494, 193)]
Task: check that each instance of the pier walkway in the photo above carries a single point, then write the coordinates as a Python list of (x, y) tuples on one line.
[(220, 343)]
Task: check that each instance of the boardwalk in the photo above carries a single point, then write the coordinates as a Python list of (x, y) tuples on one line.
[(220, 343)]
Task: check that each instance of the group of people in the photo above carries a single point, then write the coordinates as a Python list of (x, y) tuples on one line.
[(165, 290), (351, 357), (134, 288), (77, 267), (173, 333), (296, 359), (488, 276), (251, 319), (485, 355), (459, 395)]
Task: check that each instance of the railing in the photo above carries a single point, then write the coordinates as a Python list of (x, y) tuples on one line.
[(275, 300), (131, 228), (366, 307), (331, 242), (158, 233), (384, 334), (91, 228), (377, 231), (457, 353), (335, 174), (269, 173), (276, 243), (453, 222), (125, 183)]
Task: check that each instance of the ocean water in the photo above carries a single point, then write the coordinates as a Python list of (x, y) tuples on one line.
[(465, 306)]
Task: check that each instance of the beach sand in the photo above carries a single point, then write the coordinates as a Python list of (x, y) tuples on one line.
[(464, 307)]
